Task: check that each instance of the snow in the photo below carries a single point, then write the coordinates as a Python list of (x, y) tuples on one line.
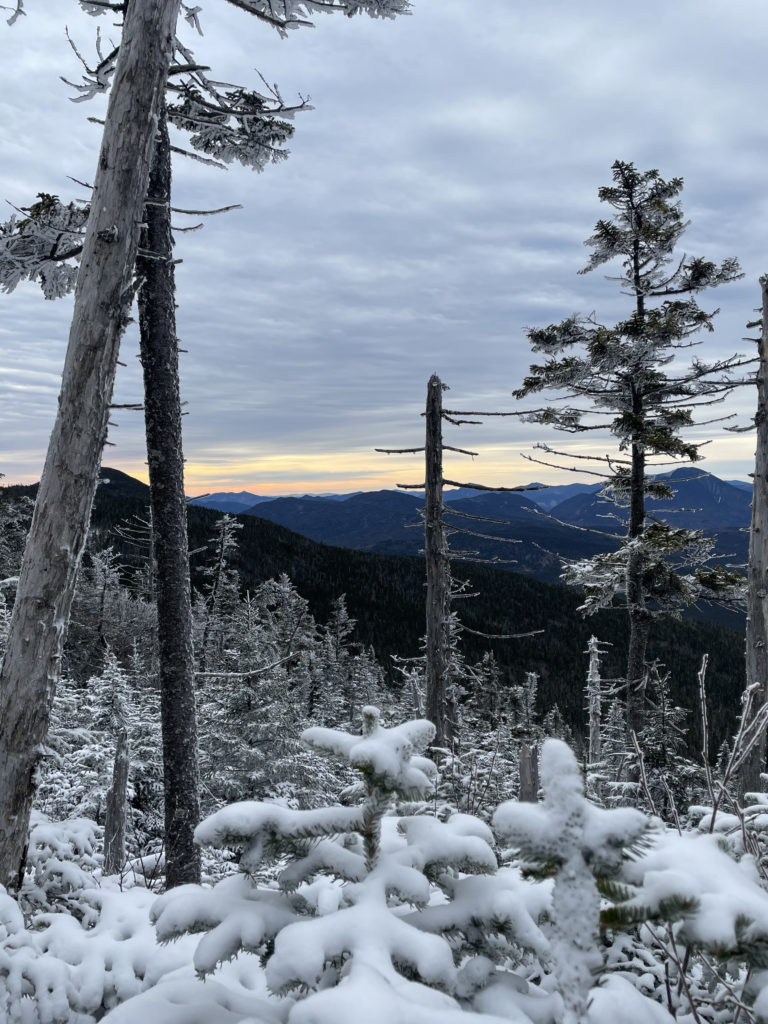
[(234, 997), (440, 844), (728, 905), (388, 756), (514, 904), (368, 934), (343, 915), (257, 827), (64, 966), (235, 915), (579, 839), (616, 1001), (367, 995), (515, 1000)]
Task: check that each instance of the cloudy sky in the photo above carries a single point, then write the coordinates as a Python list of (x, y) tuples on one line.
[(434, 205)]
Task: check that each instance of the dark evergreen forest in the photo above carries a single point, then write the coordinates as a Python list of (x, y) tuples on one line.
[(385, 597)]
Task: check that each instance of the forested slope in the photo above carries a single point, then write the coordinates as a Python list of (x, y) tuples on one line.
[(385, 594)]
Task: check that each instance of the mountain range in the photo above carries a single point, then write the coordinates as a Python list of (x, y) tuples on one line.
[(241, 501), (235, 502), (701, 501), (528, 531)]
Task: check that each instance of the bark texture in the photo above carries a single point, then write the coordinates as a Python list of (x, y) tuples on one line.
[(162, 416), (594, 701), (60, 524), (438, 568), (117, 797), (756, 648), (529, 774)]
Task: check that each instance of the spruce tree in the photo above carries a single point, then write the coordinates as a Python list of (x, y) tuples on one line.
[(580, 845), (408, 917), (626, 379)]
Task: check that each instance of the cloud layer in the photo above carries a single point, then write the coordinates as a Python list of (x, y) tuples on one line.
[(434, 205)]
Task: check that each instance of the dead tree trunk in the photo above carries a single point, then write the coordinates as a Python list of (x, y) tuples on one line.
[(594, 700), (756, 648), (117, 797), (438, 567), (60, 524), (529, 774), (162, 417), (441, 703)]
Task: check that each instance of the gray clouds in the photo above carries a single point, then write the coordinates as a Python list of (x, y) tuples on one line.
[(434, 205)]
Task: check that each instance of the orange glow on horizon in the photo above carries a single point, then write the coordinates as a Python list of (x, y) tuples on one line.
[(343, 472), (292, 473)]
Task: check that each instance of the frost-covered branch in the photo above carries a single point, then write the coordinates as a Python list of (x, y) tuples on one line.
[(39, 245)]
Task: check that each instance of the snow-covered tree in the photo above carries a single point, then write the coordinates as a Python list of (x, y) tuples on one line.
[(15, 516), (580, 843), (526, 716), (106, 615), (85, 742), (483, 766), (672, 779), (14, 524), (65, 496), (350, 677), (627, 379), (220, 595), (594, 700), (229, 123), (275, 673), (338, 928)]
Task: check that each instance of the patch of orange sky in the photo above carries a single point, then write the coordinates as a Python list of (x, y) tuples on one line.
[(337, 473), (319, 473), (229, 469)]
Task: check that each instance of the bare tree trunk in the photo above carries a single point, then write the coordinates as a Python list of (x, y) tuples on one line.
[(756, 647), (529, 774), (162, 416), (438, 571), (117, 795), (59, 527), (594, 701), (639, 616)]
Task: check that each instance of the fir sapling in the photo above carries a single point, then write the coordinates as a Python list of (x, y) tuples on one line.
[(578, 842), (344, 922)]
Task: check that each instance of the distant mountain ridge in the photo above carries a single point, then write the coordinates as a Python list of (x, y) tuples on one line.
[(701, 501), (361, 521), (527, 531), (546, 496), (239, 501), (385, 595)]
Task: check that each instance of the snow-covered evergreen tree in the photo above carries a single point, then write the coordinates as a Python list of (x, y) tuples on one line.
[(580, 843), (673, 781), (621, 378), (220, 598), (77, 773), (14, 523), (278, 672), (15, 516), (338, 929), (483, 768), (106, 615)]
